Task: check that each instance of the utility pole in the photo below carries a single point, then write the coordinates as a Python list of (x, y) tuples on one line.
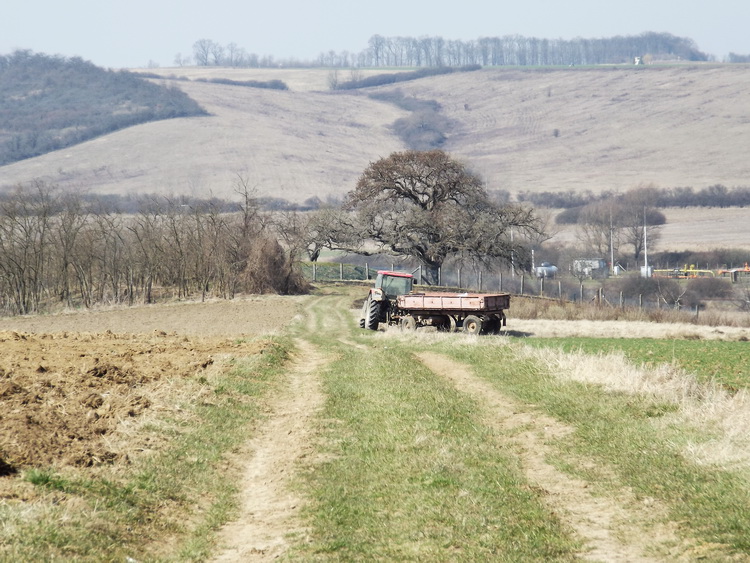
[(611, 243), (645, 246)]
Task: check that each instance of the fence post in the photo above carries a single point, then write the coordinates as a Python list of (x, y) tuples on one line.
[(459, 278), (622, 303), (480, 281), (640, 301), (541, 286), (420, 274), (581, 292), (440, 275), (501, 281), (559, 290), (341, 271), (315, 272), (523, 278), (367, 271)]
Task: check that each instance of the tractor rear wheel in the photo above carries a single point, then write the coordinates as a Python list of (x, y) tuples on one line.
[(372, 314)]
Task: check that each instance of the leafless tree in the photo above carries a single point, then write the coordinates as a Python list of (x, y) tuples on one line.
[(429, 206), (25, 220), (202, 50), (71, 219)]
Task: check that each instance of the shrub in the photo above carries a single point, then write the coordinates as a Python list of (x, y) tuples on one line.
[(269, 271), (270, 84), (425, 128), (392, 78), (710, 288), (568, 216)]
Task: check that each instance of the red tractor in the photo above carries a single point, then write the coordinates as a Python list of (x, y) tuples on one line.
[(382, 300)]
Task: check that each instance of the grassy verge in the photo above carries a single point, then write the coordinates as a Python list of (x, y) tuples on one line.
[(633, 445), (413, 472), (165, 506)]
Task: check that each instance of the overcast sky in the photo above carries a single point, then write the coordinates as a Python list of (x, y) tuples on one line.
[(135, 33)]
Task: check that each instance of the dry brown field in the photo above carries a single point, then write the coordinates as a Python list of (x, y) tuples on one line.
[(688, 229), (69, 383)]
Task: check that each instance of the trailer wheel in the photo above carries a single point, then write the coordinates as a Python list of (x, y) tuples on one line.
[(372, 314), (492, 326), (472, 324), (449, 324), (408, 323)]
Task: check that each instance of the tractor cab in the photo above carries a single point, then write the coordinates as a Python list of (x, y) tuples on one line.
[(382, 298), (393, 284)]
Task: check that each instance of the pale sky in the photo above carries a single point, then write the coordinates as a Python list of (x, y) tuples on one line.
[(134, 33)]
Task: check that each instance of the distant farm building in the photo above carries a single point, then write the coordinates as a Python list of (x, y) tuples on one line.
[(546, 270), (590, 268)]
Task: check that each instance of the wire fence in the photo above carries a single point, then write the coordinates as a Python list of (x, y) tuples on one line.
[(567, 290)]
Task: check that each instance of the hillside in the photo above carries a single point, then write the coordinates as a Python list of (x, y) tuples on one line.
[(50, 103), (571, 128), (604, 128)]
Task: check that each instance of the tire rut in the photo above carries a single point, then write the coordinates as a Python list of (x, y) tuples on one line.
[(607, 527), (269, 507)]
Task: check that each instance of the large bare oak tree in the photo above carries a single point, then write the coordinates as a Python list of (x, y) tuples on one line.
[(429, 206)]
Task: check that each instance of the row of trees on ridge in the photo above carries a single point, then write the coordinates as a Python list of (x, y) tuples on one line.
[(435, 51)]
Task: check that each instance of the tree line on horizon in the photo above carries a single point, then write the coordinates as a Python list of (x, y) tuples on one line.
[(436, 51)]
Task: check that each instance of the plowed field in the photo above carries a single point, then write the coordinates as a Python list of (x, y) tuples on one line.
[(71, 385)]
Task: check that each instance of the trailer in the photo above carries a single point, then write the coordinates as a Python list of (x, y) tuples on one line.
[(392, 302), (474, 313)]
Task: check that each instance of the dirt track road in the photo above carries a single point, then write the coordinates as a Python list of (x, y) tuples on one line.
[(129, 349)]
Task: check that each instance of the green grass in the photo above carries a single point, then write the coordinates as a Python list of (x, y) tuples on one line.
[(415, 475), (727, 363), (414, 472)]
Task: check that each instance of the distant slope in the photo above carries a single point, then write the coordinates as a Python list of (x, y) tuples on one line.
[(48, 103), (599, 128), (604, 128), (285, 144)]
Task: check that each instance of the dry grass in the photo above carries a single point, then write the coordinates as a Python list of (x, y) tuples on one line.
[(720, 418), (297, 79), (666, 322), (292, 145), (716, 412), (693, 229)]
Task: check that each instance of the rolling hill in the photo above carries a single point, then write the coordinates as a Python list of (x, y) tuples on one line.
[(597, 129)]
